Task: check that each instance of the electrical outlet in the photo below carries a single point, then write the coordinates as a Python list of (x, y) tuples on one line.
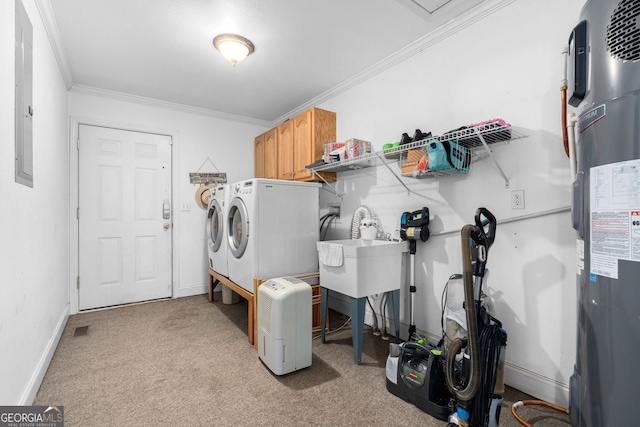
[(517, 199)]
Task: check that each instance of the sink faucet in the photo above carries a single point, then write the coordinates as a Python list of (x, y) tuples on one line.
[(382, 235)]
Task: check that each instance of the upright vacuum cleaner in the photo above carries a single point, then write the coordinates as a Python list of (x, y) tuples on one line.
[(476, 379), (414, 370)]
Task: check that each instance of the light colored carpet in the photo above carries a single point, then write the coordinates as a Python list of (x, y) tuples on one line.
[(187, 362)]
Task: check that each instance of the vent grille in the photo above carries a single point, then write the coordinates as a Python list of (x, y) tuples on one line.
[(623, 31), (81, 331), (264, 308)]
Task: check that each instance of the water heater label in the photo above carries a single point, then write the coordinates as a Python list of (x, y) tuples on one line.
[(588, 118), (614, 216), (580, 255)]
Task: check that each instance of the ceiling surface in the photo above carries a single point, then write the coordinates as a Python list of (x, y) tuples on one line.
[(163, 50)]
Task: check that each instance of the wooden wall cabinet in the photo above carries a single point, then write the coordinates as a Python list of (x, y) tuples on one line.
[(298, 142), (265, 149), (285, 150), (258, 157)]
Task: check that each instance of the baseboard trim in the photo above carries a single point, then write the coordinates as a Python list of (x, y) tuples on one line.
[(537, 385), (529, 382), (30, 392)]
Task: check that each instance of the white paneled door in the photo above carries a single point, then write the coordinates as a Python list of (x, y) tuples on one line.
[(125, 224)]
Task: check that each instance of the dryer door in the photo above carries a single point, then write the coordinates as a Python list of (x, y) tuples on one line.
[(238, 227), (215, 225)]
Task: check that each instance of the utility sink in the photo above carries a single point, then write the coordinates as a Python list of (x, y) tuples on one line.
[(359, 268)]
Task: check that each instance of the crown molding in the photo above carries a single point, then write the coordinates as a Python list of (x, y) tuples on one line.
[(151, 102), (53, 32), (486, 8)]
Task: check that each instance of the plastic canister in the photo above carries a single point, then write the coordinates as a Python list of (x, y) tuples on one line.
[(368, 229), (228, 296)]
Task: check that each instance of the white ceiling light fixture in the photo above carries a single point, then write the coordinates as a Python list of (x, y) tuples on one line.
[(233, 47)]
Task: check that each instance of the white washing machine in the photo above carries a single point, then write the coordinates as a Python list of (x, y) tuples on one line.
[(217, 228), (272, 229)]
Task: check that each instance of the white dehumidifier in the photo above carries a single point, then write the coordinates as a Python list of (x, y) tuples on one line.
[(284, 324)]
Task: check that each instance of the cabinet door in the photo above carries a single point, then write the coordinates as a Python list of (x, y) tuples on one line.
[(259, 157), (271, 154), (303, 145), (285, 150), (312, 129)]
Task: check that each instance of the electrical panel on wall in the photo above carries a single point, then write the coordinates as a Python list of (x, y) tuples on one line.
[(23, 97)]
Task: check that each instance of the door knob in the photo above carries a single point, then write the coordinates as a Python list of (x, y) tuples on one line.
[(166, 225)]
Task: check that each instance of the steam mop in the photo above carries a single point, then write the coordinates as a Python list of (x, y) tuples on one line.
[(414, 371), (476, 379)]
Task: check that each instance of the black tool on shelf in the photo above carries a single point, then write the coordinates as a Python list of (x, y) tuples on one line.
[(406, 139), (419, 135)]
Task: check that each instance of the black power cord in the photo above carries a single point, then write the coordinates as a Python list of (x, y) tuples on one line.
[(491, 343), (326, 220)]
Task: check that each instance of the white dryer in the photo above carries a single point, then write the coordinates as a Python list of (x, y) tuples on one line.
[(217, 228), (272, 229)]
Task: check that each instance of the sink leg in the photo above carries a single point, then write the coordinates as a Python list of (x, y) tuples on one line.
[(395, 303), (324, 296), (357, 326)]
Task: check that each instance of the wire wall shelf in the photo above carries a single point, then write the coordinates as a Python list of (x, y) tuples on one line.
[(477, 139)]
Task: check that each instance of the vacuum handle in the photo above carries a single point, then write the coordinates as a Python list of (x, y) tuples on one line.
[(416, 218), (489, 219)]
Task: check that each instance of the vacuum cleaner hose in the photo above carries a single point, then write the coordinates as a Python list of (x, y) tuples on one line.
[(469, 391)]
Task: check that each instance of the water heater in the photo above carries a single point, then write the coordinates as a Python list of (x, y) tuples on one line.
[(285, 324), (604, 88)]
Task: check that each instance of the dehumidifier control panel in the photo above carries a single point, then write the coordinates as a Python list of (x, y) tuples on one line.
[(275, 286)]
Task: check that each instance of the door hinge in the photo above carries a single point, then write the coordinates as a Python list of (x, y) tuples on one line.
[(78, 144), (78, 282), (77, 213)]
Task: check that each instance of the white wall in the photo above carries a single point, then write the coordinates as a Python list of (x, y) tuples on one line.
[(34, 253), (505, 65), (196, 137)]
